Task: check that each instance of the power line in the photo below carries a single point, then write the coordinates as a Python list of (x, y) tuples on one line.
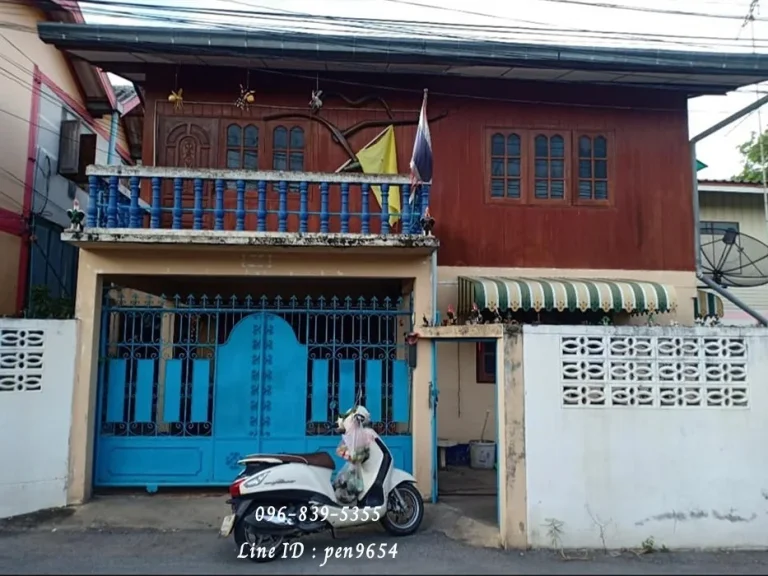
[(23, 83), (112, 9), (575, 2), (714, 42), (133, 47), (366, 25), (648, 10)]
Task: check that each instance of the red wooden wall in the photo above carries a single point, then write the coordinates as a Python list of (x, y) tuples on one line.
[(647, 225)]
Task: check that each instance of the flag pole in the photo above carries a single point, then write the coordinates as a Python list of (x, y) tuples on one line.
[(415, 184)]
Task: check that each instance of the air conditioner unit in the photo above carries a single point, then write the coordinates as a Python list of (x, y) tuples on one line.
[(76, 151)]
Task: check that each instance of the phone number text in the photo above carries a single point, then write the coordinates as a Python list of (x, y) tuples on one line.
[(318, 513)]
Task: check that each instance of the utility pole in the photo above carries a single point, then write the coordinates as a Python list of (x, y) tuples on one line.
[(754, 7)]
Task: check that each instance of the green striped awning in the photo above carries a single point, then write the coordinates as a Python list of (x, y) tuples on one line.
[(707, 305), (564, 294)]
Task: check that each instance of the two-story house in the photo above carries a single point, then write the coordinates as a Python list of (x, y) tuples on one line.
[(267, 287), (57, 115)]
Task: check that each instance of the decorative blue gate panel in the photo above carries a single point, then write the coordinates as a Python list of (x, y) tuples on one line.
[(261, 387), (187, 390)]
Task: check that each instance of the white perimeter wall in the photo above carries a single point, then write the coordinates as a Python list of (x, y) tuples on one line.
[(646, 432), (37, 374)]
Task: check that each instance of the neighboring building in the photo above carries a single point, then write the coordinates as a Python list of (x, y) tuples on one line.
[(557, 188), (43, 91), (741, 207)]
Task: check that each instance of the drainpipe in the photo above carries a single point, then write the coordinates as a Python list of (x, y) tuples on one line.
[(696, 210), (435, 386), (111, 149)]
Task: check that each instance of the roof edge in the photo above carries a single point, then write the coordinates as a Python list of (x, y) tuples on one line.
[(380, 49)]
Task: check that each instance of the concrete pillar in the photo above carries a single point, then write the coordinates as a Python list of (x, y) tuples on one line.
[(421, 409), (511, 402), (81, 437)]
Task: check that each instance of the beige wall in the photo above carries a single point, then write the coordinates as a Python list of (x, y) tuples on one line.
[(10, 247), (510, 397), (191, 260), (463, 400), (19, 49), (748, 211)]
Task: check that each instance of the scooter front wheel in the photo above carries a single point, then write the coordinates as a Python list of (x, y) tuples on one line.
[(404, 514)]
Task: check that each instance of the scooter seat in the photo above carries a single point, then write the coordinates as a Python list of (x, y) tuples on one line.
[(319, 459)]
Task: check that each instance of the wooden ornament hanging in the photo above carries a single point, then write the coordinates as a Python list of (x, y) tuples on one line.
[(176, 97), (247, 96)]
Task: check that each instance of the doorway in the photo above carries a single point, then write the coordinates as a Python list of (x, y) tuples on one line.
[(467, 435)]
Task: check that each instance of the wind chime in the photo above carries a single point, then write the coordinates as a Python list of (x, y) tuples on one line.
[(176, 97), (247, 96)]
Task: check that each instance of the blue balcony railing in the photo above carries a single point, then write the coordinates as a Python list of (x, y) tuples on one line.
[(222, 200)]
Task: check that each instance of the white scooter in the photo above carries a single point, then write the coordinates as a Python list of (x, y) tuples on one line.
[(278, 498)]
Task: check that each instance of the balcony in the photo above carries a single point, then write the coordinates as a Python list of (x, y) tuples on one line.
[(164, 205)]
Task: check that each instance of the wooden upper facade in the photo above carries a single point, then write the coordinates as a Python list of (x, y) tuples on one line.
[(526, 174)]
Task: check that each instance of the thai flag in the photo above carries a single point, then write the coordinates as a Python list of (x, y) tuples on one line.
[(421, 160)]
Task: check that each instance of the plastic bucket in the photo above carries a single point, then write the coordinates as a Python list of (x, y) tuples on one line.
[(482, 454)]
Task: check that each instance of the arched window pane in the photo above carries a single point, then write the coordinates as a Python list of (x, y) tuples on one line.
[(497, 145), (541, 145), (251, 136), (513, 145), (280, 138), (585, 147), (601, 147), (234, 135), (557, 147), (297, 137)]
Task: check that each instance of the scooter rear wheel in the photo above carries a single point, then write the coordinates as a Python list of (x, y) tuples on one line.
[(395, 521), (245, 536)]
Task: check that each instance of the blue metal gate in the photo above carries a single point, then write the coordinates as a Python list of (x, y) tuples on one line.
[(188, 386)]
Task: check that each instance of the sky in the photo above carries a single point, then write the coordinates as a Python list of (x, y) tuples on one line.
[(700, 25)]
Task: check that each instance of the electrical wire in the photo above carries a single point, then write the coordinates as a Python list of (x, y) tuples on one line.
[(648, 10), (753, 7), (442, 30), (177, 20), (174, 15), (24, 83), (197, 51), (575, 2)]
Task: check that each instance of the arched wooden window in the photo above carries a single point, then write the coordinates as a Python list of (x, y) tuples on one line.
[(288, 150), (506, 165), (593, 168), (549, 167), (242, 147)]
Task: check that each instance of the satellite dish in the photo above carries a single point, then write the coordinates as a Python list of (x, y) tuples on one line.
[(732, 259)]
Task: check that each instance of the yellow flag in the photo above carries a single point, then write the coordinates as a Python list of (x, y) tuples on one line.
[(380, 157)]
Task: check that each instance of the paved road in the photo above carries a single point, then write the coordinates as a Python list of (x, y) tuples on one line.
[(201, 552)]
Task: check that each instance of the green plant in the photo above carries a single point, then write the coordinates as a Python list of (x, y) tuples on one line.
[(753, 152), (43, 306), (649, 545)]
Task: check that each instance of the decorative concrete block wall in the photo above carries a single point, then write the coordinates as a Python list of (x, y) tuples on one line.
[(37, 373)]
